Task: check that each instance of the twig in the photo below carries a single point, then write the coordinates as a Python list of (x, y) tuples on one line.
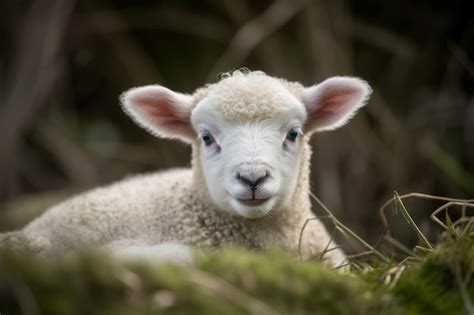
[(366, 253), (271, 54), (446, 205), (300, 241), (343, 264), (328, 244), (347, 230), (254, 31), (399, 245), (397, 276), (466, 297), (383, 216)]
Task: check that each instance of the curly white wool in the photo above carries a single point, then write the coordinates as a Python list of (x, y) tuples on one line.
[(252, 95)]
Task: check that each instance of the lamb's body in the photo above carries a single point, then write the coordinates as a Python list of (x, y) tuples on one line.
[(171, 206), (248, 185)]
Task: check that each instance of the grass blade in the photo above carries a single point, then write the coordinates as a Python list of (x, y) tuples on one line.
[(338, 223), (411, 222)]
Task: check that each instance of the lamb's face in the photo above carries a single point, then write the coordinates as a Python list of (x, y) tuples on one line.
[(250, 141), (249, 129)]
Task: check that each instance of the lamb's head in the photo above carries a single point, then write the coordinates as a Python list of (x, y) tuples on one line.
[(249, 129)]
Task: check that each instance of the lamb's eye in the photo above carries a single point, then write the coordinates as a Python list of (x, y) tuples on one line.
[(208, 139), (292, 135)]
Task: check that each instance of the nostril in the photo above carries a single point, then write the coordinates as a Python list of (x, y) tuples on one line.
[(262, 179), (253, 184), (246, 180)]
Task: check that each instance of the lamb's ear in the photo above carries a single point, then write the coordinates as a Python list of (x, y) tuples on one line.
[(331, 103), (162, 112)]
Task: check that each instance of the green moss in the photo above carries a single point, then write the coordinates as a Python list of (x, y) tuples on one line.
[(437, 285), (230, 282), (233, 281), (295, 286)]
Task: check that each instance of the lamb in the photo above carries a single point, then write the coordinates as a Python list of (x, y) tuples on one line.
[(248, 184)]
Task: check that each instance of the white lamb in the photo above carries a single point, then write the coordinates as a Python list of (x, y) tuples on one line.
[(248, 184)]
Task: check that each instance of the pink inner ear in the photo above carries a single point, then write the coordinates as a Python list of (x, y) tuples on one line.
[(162, 112), (159, 111), (333, 103)]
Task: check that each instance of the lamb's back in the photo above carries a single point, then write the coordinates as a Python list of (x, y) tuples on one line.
[(139, 207)]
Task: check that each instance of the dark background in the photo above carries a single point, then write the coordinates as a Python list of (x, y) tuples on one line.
[(64, 63)]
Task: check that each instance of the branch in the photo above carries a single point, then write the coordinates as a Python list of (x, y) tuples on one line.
[(255, 31)]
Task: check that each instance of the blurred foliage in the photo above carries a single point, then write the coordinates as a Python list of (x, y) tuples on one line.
[(231, 282), (234, 281), (63, 64)]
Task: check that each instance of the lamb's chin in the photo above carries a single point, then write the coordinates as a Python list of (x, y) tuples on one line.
[(251, 209)]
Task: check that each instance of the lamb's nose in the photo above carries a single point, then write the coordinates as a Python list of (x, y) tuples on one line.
[(252, 182)]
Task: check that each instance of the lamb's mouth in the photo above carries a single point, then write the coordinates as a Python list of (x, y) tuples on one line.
[(253, 202)]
